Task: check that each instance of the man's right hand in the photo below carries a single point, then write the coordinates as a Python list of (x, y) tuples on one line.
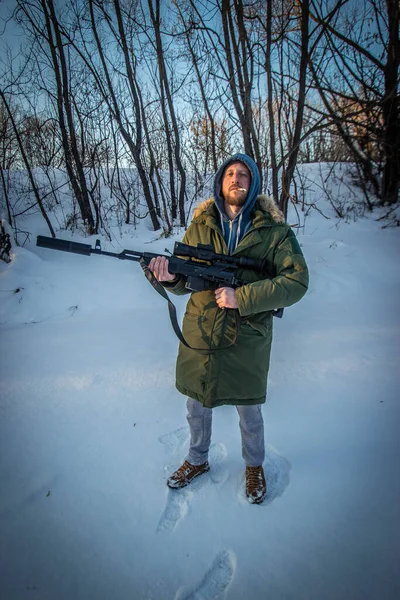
[(159, 267)]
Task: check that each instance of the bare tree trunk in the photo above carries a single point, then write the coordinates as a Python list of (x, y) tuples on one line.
[(70, 146), (391, 110), (6, 197), (238, 57), (155, 19), (294, 150), (152, 160), (270, 103), (110, 98), (154, 169), (244, 55), (164, 83), (138, 144)]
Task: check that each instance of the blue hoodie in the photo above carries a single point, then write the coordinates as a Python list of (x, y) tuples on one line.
[(234, 230)]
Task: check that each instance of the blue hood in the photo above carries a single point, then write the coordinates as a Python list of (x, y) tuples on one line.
[(234, 230)]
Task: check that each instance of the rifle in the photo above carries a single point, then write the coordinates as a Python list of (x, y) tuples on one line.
[(203, 268)]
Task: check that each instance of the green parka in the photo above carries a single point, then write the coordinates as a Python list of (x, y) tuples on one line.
[(238, 375)]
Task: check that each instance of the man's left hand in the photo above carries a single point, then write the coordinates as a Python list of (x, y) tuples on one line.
[(226, 297)]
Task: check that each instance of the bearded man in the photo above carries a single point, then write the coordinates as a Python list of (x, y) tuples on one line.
[(234, 325)]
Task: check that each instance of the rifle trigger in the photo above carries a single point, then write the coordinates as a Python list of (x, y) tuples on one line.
[(97, 245)]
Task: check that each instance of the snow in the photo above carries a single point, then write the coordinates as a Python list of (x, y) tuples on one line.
[(91, 426)]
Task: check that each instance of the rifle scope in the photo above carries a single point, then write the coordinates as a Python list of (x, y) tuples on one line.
[(206, 252)]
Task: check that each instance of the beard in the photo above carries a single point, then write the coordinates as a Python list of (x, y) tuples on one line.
[(235, 200)]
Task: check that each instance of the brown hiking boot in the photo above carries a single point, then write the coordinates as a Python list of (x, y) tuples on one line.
[(184, 475), (256, 488)]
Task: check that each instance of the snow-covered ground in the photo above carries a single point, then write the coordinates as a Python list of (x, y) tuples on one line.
[(91, 425)]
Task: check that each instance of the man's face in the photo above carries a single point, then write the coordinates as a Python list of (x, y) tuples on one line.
[(235, 184)]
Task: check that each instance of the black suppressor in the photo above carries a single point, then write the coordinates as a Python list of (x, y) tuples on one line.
[(64, 245)]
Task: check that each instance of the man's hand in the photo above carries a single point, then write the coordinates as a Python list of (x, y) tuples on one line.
[(226, 297), (159, 267)]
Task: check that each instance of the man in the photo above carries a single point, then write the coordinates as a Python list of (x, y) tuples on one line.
[(233, 328)]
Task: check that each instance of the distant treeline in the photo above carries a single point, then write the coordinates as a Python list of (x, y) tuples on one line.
[(173, 87)]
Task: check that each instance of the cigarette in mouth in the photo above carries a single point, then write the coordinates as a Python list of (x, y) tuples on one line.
[(241, 190)]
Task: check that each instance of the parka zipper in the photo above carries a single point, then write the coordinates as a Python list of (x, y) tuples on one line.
[(230, 235)]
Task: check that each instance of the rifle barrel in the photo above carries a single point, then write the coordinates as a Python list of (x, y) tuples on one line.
[(87, 250)]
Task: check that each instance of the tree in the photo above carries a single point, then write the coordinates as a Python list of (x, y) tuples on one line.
[(41, 141), (362, 81), (49, 32), (211, 139), (26, 163)]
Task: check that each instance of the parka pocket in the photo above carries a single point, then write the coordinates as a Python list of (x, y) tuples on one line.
[(263, 327), (196, 330), (195, 317)]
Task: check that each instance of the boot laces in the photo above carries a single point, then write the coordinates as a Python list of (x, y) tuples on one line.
[(253, 476)]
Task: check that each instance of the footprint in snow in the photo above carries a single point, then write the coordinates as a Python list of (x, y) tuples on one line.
[(276, 469), (218, 472), (175, 441), (215, 581), (178, 501), (175, 509)]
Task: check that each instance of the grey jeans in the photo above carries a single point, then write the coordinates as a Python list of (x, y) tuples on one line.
[(251, 428)]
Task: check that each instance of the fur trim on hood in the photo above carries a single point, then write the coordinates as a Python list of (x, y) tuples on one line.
[(266, 203)]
